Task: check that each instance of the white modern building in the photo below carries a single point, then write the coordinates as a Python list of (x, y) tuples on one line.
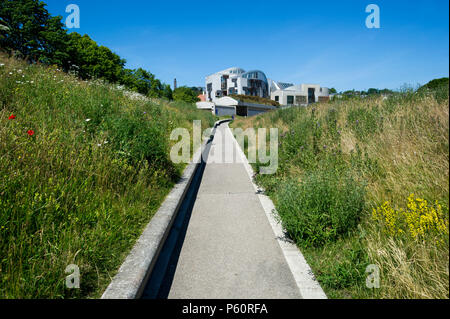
[(236, 81), (301, 94)]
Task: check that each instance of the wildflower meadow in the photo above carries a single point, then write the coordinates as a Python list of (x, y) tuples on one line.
[(83, 167), (365, 182)]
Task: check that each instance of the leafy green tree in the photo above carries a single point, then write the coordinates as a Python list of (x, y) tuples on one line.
[(28, 31), (138, 80), (373, 91), (185, 94), (167, 92), (144, 82), (33, 34), (92, 60), (127, 79), (156, 88), (332, 91), (197, 90), (55, 40), (386, 91)]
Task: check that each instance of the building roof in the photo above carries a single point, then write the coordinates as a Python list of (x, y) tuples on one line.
[(255, 74), (297, 87), (284, 85), (233, 71), (226, 101), (274, 86)]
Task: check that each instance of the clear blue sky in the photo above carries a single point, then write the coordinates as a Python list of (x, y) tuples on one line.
[(324, 42)]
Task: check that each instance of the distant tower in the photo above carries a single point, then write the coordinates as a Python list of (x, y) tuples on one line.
[(175, 84)]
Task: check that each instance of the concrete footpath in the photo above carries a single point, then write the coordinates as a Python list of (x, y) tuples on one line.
[(230, 250)]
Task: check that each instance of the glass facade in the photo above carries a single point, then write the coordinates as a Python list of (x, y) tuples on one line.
[(257, 84), (257, 75), (290, 99), (237, 81)]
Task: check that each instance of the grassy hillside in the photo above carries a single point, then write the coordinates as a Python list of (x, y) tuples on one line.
[(366, 181), (83, 168)]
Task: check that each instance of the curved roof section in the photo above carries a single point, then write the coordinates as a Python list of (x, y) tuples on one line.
[(255, 74), (233, 70)]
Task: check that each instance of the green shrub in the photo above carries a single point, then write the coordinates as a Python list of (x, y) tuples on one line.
[(321, 208), (136, 138), (364, 121), (435, 84), (346, 269), (396, 145), (185, 94), (438, 88), (441, 93)]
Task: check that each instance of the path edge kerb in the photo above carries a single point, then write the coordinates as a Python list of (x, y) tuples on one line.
[(130, 280)]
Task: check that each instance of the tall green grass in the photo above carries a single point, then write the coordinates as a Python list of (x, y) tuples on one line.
[(337, 162), (80, 189)]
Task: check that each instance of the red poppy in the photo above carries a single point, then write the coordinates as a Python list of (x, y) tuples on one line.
[(30, 132), (12, 117)]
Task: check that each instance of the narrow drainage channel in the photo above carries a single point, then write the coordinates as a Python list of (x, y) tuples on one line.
[(160, 281)]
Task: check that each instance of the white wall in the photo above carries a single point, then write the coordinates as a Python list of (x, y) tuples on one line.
[(216, 85), (301, 89)]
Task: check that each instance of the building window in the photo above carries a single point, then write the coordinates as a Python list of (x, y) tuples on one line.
[(300, 99), (277, 98), (209, 90), (290, 99), (223, 82)]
